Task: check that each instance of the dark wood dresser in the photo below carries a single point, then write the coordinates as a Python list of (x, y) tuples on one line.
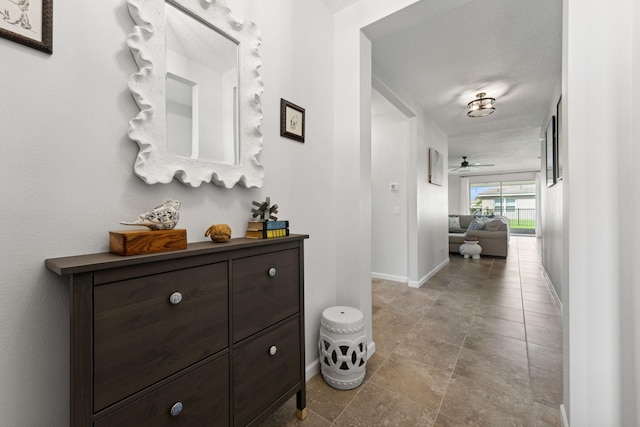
[(208, 336)]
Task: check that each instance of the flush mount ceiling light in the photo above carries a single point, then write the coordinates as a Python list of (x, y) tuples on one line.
[(481, 106)]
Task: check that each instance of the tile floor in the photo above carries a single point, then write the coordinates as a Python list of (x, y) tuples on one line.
[(479, 344)]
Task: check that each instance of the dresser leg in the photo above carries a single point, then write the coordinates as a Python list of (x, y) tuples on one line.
[(301, 413), (301, 402)]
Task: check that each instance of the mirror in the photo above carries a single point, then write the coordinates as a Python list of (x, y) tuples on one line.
[(198, 89)]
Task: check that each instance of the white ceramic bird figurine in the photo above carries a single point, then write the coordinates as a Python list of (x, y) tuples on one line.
[(162, 217)]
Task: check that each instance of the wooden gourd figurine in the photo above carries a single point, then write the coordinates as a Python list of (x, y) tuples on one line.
[(219, 233)]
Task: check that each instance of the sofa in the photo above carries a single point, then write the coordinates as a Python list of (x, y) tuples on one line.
[(492, 233)]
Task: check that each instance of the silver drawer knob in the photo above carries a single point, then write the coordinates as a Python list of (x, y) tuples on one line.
[(273, 350), (176, 409), (272, 271), (175, 298)]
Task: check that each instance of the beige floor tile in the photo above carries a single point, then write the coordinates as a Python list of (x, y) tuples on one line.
[(444, 421), (494, 371), (478, 405), (422, 383), (540, 288), (545, 358), (547, 387), (497, 345), (499, 327), (495, 291), (507, 282), (446, 324), (550, 309), (499, 312), (285, 416), (493, 298), (428, 350), (546, 337), (457, 301), (543, 321), (326, 400), (376, 406), (546, 416), (538, 297)]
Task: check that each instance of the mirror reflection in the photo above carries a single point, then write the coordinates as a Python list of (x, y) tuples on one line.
[(201, 90)]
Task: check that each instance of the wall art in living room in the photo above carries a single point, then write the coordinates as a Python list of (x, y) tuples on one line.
[(436, 165), (550, 145), (28, 22)]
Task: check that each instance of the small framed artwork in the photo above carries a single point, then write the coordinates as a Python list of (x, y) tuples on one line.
[(29, 22), (436, 165), (550, 151), (558, 148), (291, 121)]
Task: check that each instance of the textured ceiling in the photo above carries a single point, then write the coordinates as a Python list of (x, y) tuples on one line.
[(336, 5), (446, 51)]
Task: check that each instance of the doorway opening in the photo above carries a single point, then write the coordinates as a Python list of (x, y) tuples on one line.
[(515, 200)]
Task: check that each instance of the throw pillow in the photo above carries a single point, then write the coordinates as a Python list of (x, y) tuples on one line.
[(494, 225), (454, 223), (478, 223)]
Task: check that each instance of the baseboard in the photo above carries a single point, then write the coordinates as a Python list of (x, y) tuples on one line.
[(313, 368), (399, 279), (371, 349), (552, 289), (563, 417), (429, 275)]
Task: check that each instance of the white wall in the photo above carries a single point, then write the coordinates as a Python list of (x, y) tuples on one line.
[(427, 229), (66, 174), (389, 164), (432, 237), (602, 301), (352, 151), (454, 195), (551, 213)]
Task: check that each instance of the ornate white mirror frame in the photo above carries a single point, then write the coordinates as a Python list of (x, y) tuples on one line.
[(154, 164)]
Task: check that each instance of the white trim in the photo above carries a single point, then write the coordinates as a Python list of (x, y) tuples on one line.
[(563, 417), (552, 289), (312, 369), (371, 349), (429, 275), (400, 279)]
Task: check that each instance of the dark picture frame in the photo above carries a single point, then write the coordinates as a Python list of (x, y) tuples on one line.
[(292, 120), (558, 147), (550, 145), (29, 23)]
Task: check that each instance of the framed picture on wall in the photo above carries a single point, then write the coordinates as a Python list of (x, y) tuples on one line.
[(558, 148), (291, 121), (550, 151), (29, 22), (436, 165)]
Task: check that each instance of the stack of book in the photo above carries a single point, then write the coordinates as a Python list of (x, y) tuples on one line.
[(267, 229)]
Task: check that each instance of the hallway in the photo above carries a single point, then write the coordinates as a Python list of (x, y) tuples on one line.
[(479, 344)]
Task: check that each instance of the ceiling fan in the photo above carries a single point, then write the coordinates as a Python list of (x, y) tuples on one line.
[(465, 165)]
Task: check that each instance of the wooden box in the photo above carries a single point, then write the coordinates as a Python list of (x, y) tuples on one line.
[(136, 242)]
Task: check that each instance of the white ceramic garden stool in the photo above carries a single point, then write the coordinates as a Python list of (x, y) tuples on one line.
[(342, 347), (471, 249)]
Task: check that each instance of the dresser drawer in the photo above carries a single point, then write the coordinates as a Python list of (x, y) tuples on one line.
[(140, 337), (261, 299), (203, 393), (260, 378)]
